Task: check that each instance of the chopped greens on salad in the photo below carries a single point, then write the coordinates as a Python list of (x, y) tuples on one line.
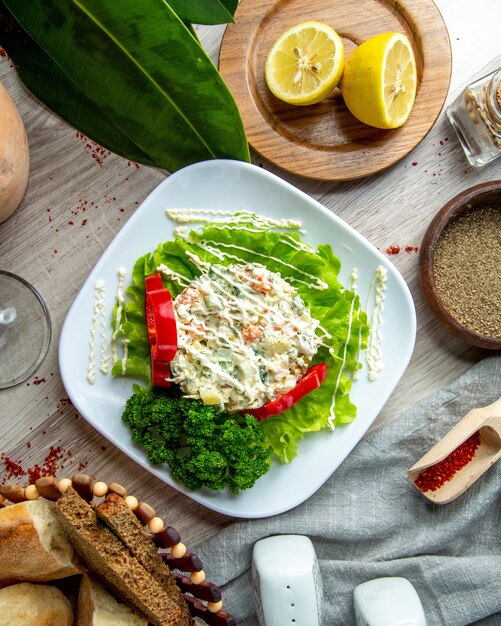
[(247, 240)]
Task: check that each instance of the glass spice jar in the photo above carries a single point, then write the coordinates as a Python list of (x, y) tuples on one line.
[(476, 117)]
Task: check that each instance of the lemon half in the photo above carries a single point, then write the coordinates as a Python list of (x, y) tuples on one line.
[(380, 79), (305, 63)]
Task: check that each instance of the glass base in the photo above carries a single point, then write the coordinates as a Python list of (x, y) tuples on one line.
[(25, 330), (476, 154)]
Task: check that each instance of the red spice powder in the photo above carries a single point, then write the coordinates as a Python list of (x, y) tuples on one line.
[(392, 249), (411, 249), (437, 475), (97, 152), (51, 465), (12, 469)]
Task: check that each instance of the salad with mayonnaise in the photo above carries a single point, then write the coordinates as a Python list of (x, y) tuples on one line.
[(255, 308), (244, 337)]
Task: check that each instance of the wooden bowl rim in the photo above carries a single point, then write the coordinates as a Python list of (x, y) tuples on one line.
[(450, 211)]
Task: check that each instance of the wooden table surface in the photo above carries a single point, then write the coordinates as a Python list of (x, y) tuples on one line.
[(75, 205)]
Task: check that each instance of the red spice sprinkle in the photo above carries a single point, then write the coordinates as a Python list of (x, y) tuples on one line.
[(392, 249), (97, 152), (52, 464), (84, 222), (411, 249), (414, 163), (12, 469), (3, 54), (437, 475)]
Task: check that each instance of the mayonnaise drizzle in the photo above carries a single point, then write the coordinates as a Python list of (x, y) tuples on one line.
[(240, 221), (97, 317), (193, 216), (296, 245), (208, 266), (352, 287), (125, 356), (120, 298), (174, 276), (314, 283), (374, 353), (104, 362)]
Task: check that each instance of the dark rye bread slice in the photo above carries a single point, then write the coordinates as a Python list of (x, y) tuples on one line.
[(109, 559), (116, 515)]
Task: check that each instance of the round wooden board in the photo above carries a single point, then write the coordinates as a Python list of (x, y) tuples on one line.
[(324, 141)]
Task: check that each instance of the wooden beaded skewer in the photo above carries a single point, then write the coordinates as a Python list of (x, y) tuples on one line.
[(164, 537)]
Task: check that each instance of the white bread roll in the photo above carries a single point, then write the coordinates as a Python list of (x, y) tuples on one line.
[(26, 604), (33, 546), (97, 607)]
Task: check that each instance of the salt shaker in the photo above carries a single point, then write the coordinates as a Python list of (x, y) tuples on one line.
[(388, 601), (286, 581), (476, 118)]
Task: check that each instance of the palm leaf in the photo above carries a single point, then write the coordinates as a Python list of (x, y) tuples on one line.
[(205, 11), (139, 65), (45, 80)]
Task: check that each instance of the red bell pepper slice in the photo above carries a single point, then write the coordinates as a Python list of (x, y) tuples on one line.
[(162, 330), (160, 371), (312, 379)]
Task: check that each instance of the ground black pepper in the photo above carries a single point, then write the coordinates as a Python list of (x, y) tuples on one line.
[(467, 269)]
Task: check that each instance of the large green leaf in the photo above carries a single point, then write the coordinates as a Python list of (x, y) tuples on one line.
[(45, 79), (139, 65), (205, 11)]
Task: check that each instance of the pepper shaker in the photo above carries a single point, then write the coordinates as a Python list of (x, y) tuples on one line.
[(476, 117)]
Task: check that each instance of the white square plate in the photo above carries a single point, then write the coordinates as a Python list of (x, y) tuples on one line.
[(234, 186)]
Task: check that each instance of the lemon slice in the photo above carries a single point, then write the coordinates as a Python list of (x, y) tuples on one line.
[(305, 63), (379, 81)]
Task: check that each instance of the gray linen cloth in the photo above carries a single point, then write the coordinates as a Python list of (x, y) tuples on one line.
[(368, 521)]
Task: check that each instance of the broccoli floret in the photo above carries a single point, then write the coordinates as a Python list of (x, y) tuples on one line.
[(202, 446)]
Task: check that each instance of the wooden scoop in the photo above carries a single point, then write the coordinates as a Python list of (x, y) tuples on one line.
[(487, 421)]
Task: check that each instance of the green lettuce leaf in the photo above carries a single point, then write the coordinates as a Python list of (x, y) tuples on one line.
[(337, 309)]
